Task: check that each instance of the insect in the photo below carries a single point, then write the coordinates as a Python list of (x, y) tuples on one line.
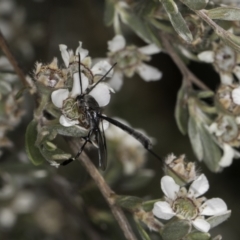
[(94, 120)]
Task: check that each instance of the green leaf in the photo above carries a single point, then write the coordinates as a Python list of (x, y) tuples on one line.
[(142, 231), (230, 39), (145, 8), (73, 131), (20, 93), (225, 13), (198, 236), (139, 26), (53, 154), (216, 220), (148, 205), (176, 229), (195, 4), (33, 152), (109, 12), (181, 109), (177, 20), (195, 139), (212, 152), (181, 27), (128, 202), (205, 94)]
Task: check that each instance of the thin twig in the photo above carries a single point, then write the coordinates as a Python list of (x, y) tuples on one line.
[(187, 74), (106, 192), (6, 50)]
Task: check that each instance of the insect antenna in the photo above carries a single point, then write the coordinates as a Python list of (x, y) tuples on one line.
[(102, 78), (145, 141), (79, 70)]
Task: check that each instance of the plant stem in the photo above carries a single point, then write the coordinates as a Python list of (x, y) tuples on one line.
[(105, 190), (6, 50), (187, 74)]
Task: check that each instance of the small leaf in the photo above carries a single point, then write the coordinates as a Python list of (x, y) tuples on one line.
[(139, 26), (195, 139), (20, 92), (181, 109), (170, 6), (177, 20), (142, 231), (73, 131), (109, 12), (225, 13), (33, 152), (195, 4), (198, 236), (148, 205), (128, 202), (53, 154), (176, 229), (230, 39), (181, 27), (205, 94), (212, 152), (216, 220)]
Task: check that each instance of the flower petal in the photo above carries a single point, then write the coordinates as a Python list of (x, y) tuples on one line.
[(228, 155), (117, 43), (104, 125), (236, 71), (236, 95), (226, 78), (83, 52), (169, 187), (206, 56), (101, 93), (65, 54), (201, 225), (66, 122), (7, 217), (76, 89), (163, 210), (150, 49), (213, 206), (58, 96), (101, 68), (148, 73), (116, 81), (200, 185)]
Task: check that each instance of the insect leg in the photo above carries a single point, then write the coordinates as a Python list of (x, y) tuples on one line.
[(87, 139)]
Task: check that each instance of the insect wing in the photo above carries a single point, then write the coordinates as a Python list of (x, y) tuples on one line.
[(102, 147)]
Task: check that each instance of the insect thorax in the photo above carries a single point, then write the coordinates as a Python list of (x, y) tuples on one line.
[(88, 109)]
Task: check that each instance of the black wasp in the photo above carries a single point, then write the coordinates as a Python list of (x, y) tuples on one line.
[(93, 118)]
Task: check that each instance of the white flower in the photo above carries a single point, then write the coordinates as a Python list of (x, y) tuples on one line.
[(187, 204), (225, 61), (129, 60), (130, 151), (99, 69), (7, 217), (236, 95), (66, 100), (226, 130)]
